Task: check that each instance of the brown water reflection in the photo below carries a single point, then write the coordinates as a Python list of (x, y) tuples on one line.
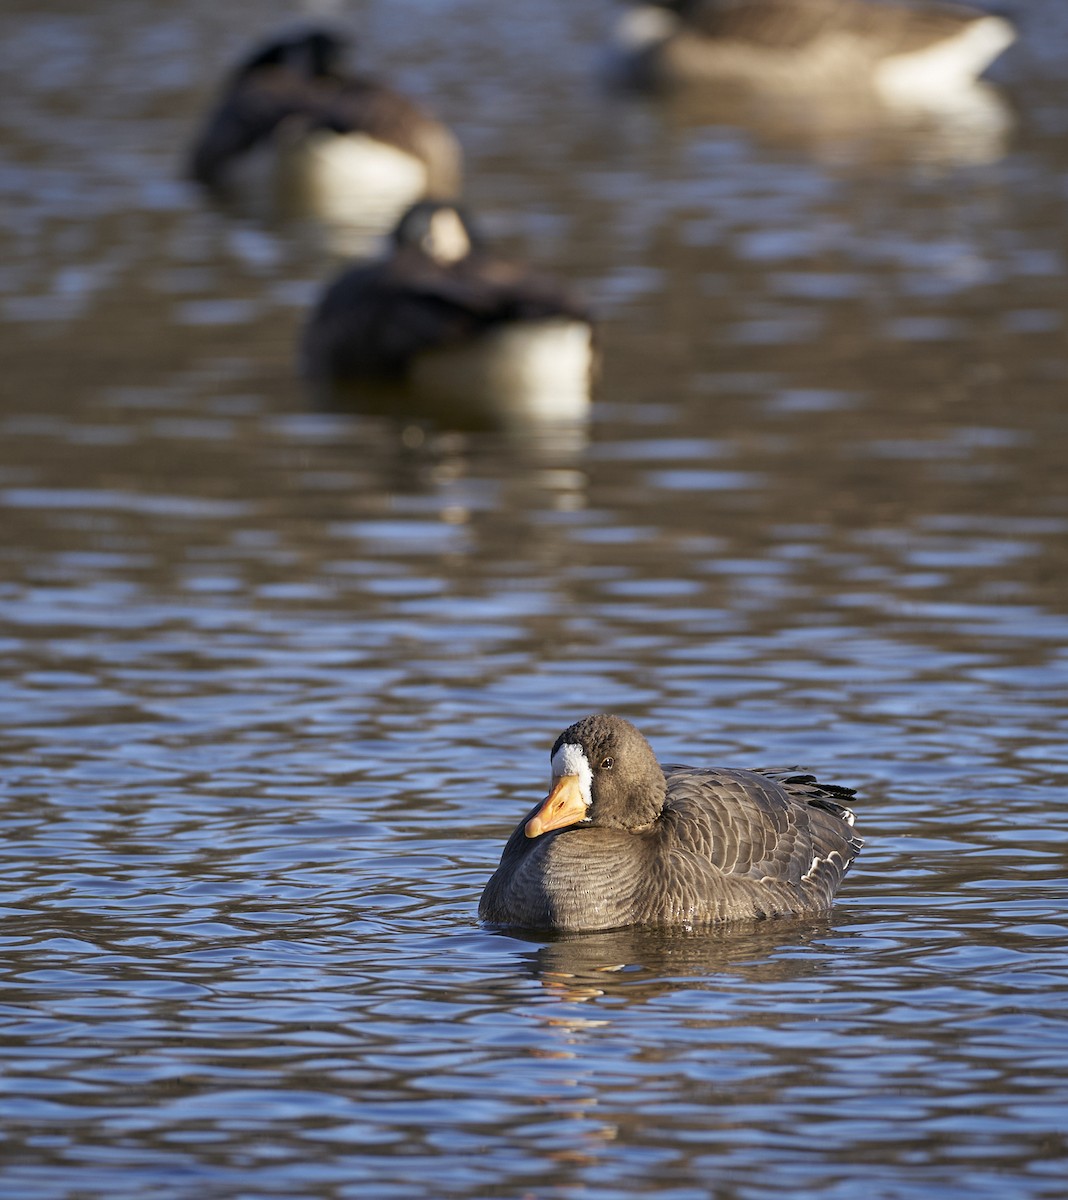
[(277, 681)]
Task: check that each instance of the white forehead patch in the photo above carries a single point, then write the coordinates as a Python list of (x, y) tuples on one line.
[(571, 760)]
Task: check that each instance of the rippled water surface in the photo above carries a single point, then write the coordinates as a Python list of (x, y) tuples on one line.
[(277, 681)]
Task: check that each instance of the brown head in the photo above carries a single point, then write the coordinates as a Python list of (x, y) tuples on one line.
[(605, 774)]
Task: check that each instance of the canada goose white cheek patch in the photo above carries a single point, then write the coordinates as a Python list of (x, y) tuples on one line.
[(645, 26)]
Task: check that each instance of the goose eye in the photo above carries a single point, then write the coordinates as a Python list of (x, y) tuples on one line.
[(606, 763)]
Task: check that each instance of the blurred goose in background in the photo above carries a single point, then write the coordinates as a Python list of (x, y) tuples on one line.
[(446, 321), (905, 53), (622, 841), (293, 127)]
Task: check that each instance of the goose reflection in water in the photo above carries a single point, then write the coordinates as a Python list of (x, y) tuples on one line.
[(639, 965)]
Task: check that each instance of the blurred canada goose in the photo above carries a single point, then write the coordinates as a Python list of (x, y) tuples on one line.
[(440, 315), (335, 144), (621, 841), (899, 49)]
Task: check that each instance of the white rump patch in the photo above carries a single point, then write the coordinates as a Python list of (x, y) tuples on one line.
[(945, 67), (571, 760)]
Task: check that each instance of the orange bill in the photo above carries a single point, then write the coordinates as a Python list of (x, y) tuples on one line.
[(563, 806)]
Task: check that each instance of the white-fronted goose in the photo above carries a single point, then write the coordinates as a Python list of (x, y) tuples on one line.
[(900, 50), (334, 145), (442, 317), (622, 841)]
